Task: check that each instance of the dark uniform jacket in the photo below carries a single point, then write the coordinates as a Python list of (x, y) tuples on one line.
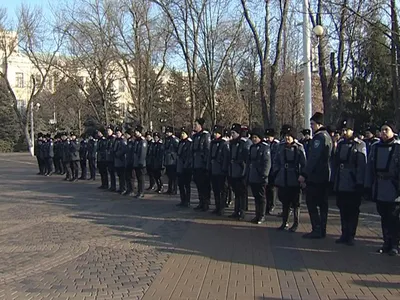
[(119, 152), (259, 163), (102, 144), (383, 171), (158, 155), (83, 150), (139, 152), (369, 142), (91, 149), (110, 149), (149, 155), (274, 149), (306, 144), (48, 149), (57, 149), (289, 162), (37, 147), (130, 144), (318, 168), (238, 157), (74, 150), (184, 154), (66, 153), (41, 149), (349, 163), (201, 149), (218, 159), (170, 150)]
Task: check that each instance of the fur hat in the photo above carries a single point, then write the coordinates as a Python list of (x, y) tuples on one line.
[(390, 124), (236, 128), (139, 128), (169, 129), (201, 121), (318, 118), (218, 129), (269, 132), (347, 123), (287, 130), (258, 131), (306, 131)]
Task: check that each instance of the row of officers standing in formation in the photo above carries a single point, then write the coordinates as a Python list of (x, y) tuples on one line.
[(234, 160)]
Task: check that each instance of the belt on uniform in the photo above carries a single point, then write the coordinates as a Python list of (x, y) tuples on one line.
[(287, 166), (344, 166), (383, 176)]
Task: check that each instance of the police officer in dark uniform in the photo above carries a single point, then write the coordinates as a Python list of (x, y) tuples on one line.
[(83, 153), (110, 158), (306, 139), (184, 167), (149, 163), (290, 160), (348, 172), (245, 136), (91, 155), (201, 149), (270, 192), (58, 165), (218, 163), (48, 150), (119, 159), (259, 166), (370, 137), (158, 161), (74, 149), (101, 151), (227, 186), (170, 153), (139, 159), (66, 156), (383, 183), (316, 176), (130, 144), (38, 146), (238, 157)]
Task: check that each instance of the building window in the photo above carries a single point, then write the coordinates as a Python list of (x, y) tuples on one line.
[(19, 78), (121, 86)]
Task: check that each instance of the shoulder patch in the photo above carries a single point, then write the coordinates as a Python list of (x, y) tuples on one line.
[(317, 143)]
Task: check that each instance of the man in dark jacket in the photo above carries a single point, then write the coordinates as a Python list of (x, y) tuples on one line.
[(91, 156), (48, 155), (184, 167), (316, 176), (383, 184), (158, 161), (130, 144), (102, 158), (119, 159), (83, 151), (348, 172), (201, 149), (306, 139), (139, 159), (259, 165), (74, 150), (110, 158), (57, 154), (66, 155), (170, 152), (38, 148), (270, 190), (370, 138), (218, 162), (149, 163)]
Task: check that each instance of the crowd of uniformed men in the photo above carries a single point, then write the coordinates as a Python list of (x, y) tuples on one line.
[(231, 161)]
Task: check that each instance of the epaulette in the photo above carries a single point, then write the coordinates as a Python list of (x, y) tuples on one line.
[(298, 143), (357, 140), (190, 140), (205, 131)]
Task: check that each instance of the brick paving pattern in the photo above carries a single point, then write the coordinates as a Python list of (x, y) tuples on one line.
[(61, 240)]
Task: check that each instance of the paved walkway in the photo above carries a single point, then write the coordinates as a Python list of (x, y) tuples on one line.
[(61, 240)]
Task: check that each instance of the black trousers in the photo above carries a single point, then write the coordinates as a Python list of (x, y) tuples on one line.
[(184, 180), (67, 169), (57, 165), (83, 163), (111, 171), (202, 181), (349, 207), (290, 198), (218, 187), (239, 189), (317, 205), (139, 172), (75, 169), (150, 172), (258, 191), (41, 165), (390, 222), (129, 178), (270, 197), (172, 179), (102, 166), (228, 192), (92, 168), (121, 178), (157, 177), (49, 165)]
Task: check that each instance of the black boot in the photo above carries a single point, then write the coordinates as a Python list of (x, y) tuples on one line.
[(285, 217), (296, 216), (344, 227)]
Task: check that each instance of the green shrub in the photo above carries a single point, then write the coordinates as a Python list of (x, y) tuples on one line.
[(6, 146)]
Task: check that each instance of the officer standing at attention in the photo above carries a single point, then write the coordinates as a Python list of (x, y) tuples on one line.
[(66, 156), (48, 155), (91, 155), (74, 149), (270, 191), (139, 159), (218, 162), (245, 136), (290, 160), (201, 150), (130, 140), (316, 176), (370, 137), (149, 163), (158, 161), (383, 182), (119, 159), (83, 153), (184, 167), (306, 139), (101, 151), (57, 159), (348, 174), (238, 157), (227, 185), (38, 144), (170, 152), (259, 166), (110, 158)]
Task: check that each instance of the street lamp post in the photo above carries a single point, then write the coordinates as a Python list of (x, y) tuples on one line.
[(32, 150)]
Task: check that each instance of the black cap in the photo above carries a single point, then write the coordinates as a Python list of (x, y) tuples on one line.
[(269, 132), (110, 127), (48, 136), (139, 128), (218, 129), (258, 131), (156, 134), (287, 130), (236, 128), (185, 130), (169, 129), (201, 121), (347, 123), (40, 135), (118, 128), (72, 133), (371, 129), (318, 118), (226, 132), (390, 124), (330, 129), (148, 133)]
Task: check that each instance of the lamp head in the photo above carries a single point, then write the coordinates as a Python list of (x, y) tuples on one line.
[(318, 30)]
